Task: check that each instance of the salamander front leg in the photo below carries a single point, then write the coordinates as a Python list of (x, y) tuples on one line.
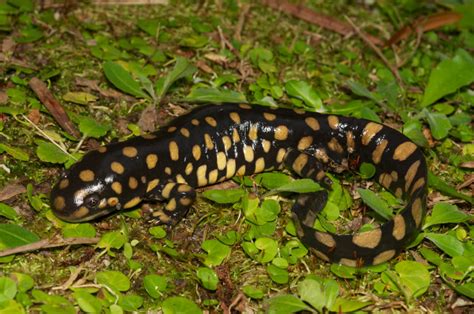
[(179, 197), (307, 166)]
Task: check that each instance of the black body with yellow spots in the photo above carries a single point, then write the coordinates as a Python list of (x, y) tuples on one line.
[(213, 143)]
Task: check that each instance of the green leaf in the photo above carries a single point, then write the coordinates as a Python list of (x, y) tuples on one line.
[(214, 95), (158, 232), (14, 152), (182, 68), (284, 304), (360, 90), (11, 306), (122, 79), (348, 306), (14, 235), (83, 230), (444, 213), (216, 252), (268, 249), (376, 203), (155, 285), (87, 302), (449, 76), (91, 128), (7, 211), (414, 278), (81, 98), (343, 271), (113, 239), (439, 184), (300, 186), (131, 302), (7, 289), (49, 152), (277, 274), (180, 305), (224, 196), (208, 278), (113, 279), (29, 34), (447, 243), (302, 90), (24, 281), (253, 292), (466, 289), (367, 170), (439, 124), (272, 180)]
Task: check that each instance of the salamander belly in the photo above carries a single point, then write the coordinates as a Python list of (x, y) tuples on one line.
[(215, 143)]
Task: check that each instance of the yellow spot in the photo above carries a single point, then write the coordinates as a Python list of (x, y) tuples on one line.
[(132, 203), (299, 163), (117, 167), (404, 150), (64, 183), (259, 165), (235, 136), (280, 155), (149, 136), (378, 151), (398, 192), (241, 171), (201, 175), (166, 192), (320, 254), (245, 106), (234, 116), (132, 183), (184, 188), (227, 142), (418, 184), (171, 206), (213, 176), (188, 169), (81, 212), (130, 151), (312, 123), (112, 201), (369, 239), (143, 179), (305, 142), (185, 201), (417, 211), (370, 130), (398, 227), (269, 116), (117, 187), (171, 129), (168, 170), (411, 173), (184, 132), (151, 160), (211, 121), (321, 155), (59, 203), (221, 160), (266, 145), (174, 151), (383, 257), (325, 238), (335, 146), (103, 203), (299, 111), (230, 168), (333, 122), (180, 179), (152, 185), (350, 141), (348, 262), (281, 133), (209, 141), (102, 149), (162, 216), (253, 132), (87, 175), (385, 180), (195, 122), (196, 152), (248, 153)]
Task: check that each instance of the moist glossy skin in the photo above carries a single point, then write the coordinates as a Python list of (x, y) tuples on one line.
[(213, 143)]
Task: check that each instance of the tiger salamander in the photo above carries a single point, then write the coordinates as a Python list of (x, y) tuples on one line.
[(214, 143)]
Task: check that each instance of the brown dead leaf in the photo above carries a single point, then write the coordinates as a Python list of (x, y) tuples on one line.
[(467, 164), (34, 115), (10, 191), (148, 119), (424, 24), (3, 98), (204, 67), (216, 58), (469, 180)]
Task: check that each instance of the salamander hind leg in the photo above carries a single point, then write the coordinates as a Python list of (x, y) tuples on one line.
[(179, 199)]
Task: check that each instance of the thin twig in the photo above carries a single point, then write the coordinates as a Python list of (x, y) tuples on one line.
[(240, 23), (225, 42), (377, 51), (48, 243)]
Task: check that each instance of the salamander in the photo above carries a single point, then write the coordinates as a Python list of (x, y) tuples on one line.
[(214, 143)]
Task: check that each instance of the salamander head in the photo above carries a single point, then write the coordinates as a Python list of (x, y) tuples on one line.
[(90, 189)]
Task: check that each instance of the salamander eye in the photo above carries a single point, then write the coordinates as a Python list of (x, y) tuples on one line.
[(92, 201)]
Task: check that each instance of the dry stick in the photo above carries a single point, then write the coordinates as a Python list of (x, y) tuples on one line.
[(53, 106), (377, 51), (225, 42), (310, 16), (241, 22), (47, 243)]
